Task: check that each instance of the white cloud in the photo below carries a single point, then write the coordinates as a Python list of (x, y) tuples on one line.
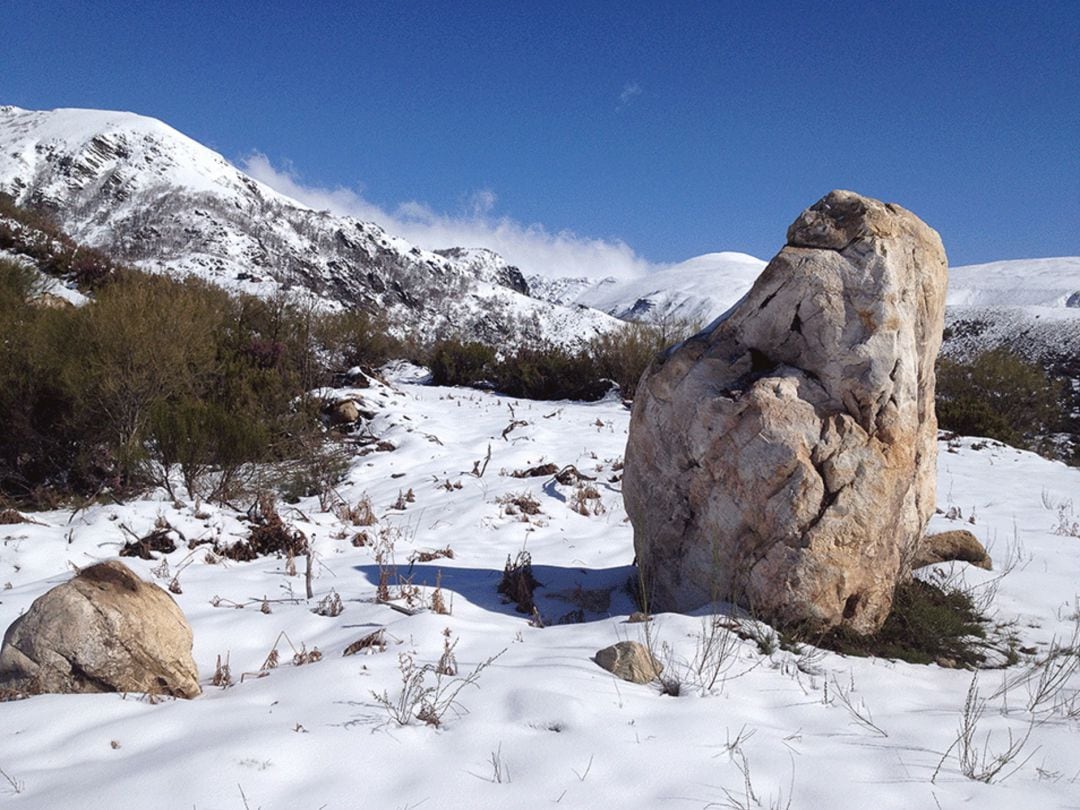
[(629, 92), (533, 248)]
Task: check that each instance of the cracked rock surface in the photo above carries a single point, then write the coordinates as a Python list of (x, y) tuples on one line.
[(105, 630), (784, 458)]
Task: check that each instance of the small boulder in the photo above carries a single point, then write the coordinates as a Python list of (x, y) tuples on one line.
[(958, 545), (631, 661), (105, 630), (347, 412)]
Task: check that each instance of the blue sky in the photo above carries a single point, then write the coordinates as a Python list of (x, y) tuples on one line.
[(602, 132)]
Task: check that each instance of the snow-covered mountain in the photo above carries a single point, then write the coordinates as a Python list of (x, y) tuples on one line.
[(693, 291), (151, 196), (1052, 283), (1031, 306), (154, 197)]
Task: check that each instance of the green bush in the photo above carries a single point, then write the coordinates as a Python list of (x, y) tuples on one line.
[(357, 338), (150, 374), (455, 363), (551, 372), (156, 374), (624, 354), (927, 623), (999, 395)]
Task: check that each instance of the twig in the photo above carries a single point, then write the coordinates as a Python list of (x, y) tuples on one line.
[(581, 776), (516, 423), (307, 575), (17, 785), (478, 469)]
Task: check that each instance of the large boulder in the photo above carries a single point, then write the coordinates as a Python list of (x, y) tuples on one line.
[(784, 458), (105, 630)]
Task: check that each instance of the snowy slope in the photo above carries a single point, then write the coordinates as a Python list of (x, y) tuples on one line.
[(1031, 306), (543, 725), (695, 291), (150, 195), (1053, 282)]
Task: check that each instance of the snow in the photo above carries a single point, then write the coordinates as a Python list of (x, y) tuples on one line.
[(1045, 283), (155, 153), (694, 291), (144, 192), (560, 729)]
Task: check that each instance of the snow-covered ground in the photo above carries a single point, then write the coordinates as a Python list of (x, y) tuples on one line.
[(542, 725)]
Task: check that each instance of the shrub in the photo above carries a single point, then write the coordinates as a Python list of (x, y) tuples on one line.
[(455, 363), (550, 372), (36, 234), (356, 338), (518, 583), (624, 354), (32, 400), (999, 395), (927, 624), (153, 373)]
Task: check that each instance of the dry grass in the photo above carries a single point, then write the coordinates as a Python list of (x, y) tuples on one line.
[(371, 643), (359, 514), (536, 472), (222, 677), (9, 517), (518, 583), (586, 500), (329, 605), (521, 504), (438, 602), (429, 556), (270, 534)]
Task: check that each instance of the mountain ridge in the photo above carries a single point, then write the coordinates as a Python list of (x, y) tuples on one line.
[(153, 197)]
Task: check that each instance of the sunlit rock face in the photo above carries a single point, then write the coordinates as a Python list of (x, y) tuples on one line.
[(784, 458)]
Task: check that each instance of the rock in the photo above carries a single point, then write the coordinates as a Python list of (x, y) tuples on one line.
[(49, 300), (784, 458), (959, 545), (105, 630), (347, 412), (629, 660)]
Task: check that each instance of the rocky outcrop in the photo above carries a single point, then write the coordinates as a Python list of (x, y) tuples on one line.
[(784, 458), (106, 630), (629, 660)]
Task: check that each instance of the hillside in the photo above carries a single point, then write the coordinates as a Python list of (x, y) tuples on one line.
[(149, 195)]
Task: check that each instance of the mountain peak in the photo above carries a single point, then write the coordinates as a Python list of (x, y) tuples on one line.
[(151, 196)]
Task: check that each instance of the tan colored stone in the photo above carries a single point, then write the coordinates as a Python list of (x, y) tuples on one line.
[(347, 411), (959, 544), (344, 412), (49, 300), (105, 630), (784, 458), (629, 660)]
